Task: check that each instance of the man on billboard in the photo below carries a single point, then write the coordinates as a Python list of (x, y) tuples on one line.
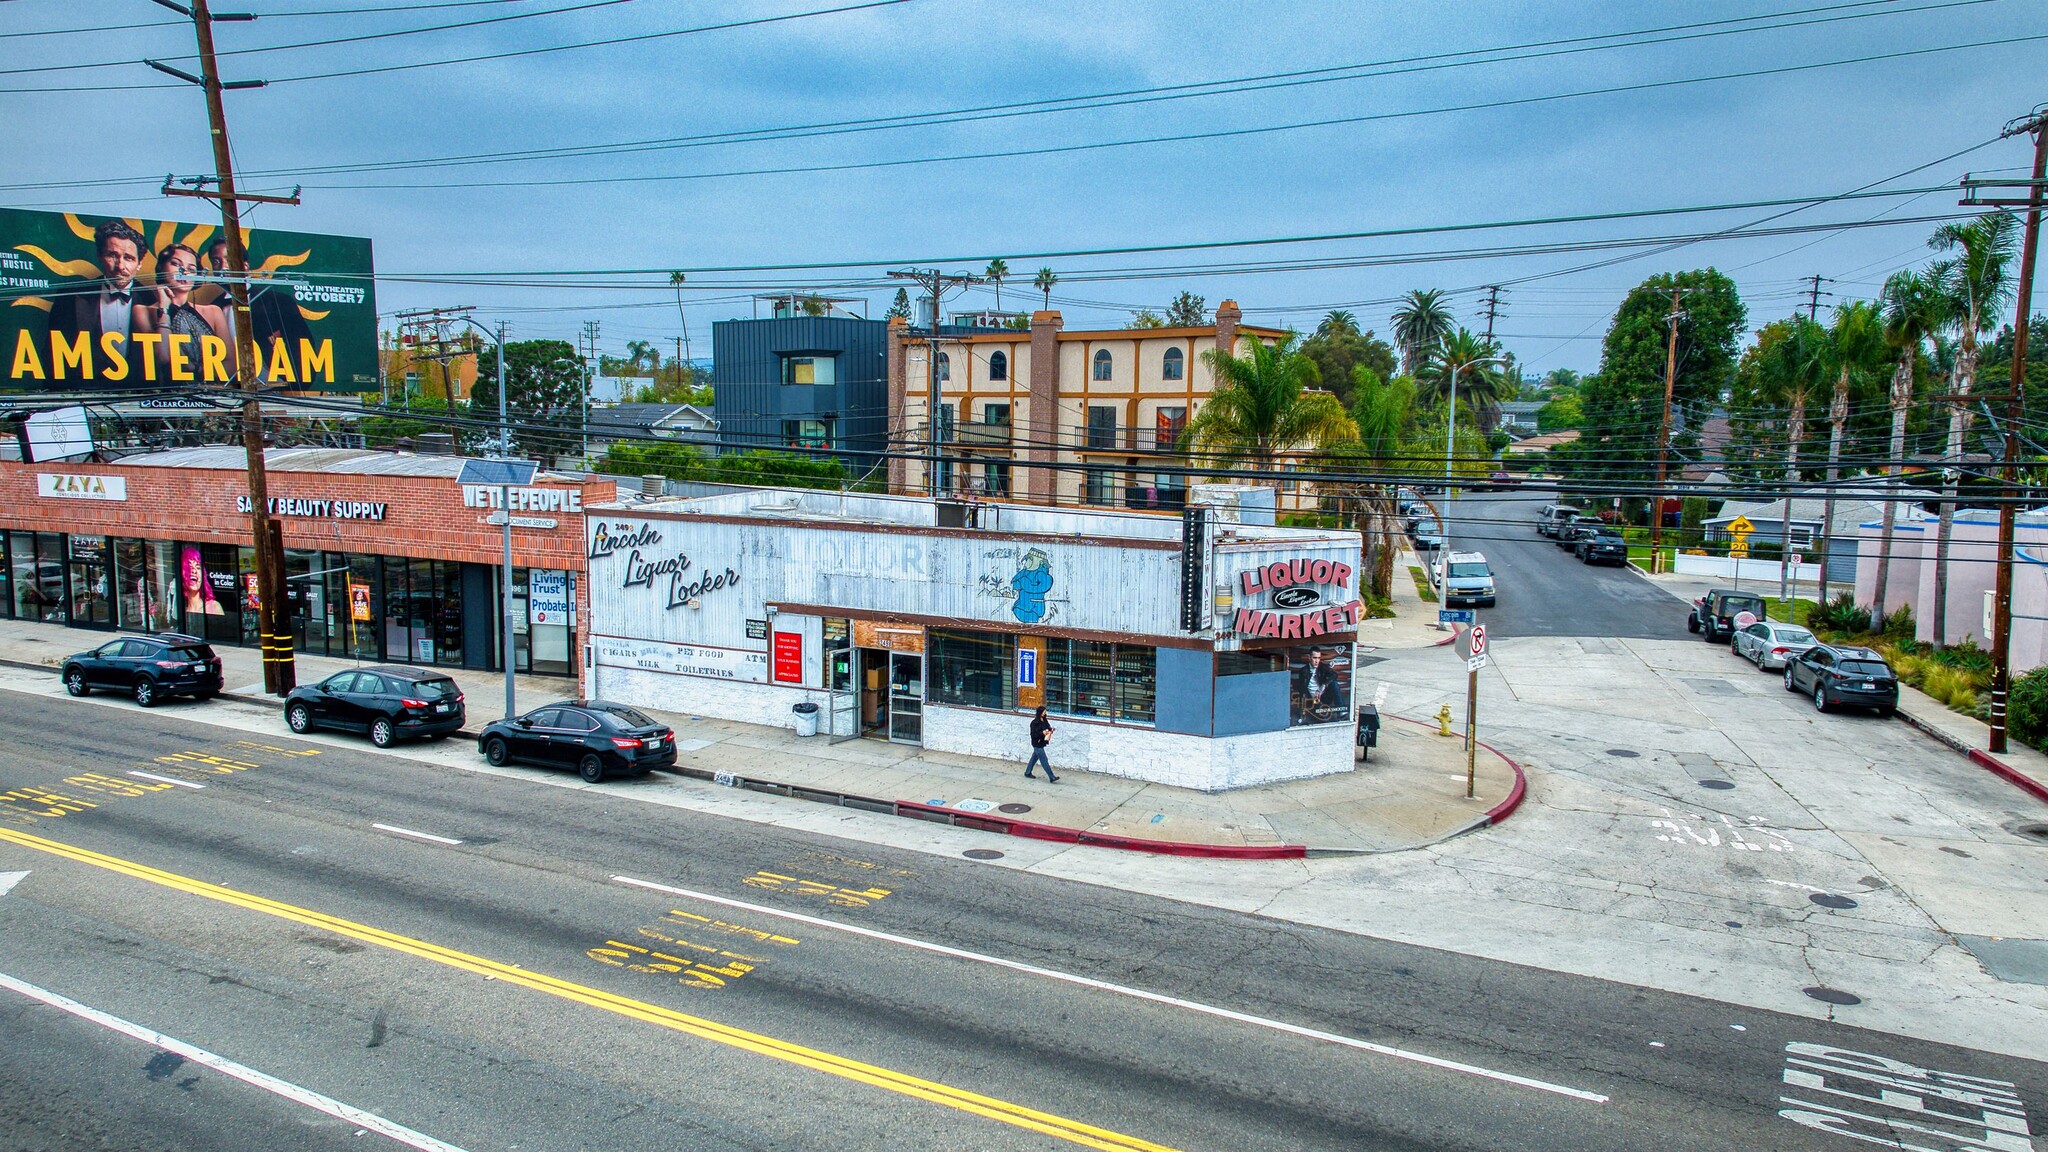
[(109, 303)]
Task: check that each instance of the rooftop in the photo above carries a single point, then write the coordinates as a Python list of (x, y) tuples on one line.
[(339, 461)]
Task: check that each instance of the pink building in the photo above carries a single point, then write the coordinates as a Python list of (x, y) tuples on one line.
[(1972, 575)]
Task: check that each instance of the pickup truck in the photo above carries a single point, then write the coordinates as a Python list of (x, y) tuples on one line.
[(1713, 615)]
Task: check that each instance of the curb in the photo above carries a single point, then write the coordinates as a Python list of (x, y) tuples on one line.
[(1517, 792), (1977, 756)]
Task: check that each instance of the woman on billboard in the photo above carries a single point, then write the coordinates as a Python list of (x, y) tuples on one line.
[(199, 600), (172, 311)]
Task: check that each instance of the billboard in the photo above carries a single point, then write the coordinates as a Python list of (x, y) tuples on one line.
[(99, 303)]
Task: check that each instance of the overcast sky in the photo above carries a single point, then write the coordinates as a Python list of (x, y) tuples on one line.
[(1805, 132)]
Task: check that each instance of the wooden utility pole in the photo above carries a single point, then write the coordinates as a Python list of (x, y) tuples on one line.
[(2036, 123), (1664, 431), (935, 283), (273, 618), (1813, 295)]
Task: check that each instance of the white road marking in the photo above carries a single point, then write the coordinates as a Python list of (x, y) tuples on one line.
[(1125, 990), (397, 831), (9, 879), (166, 779), (368, 1121)]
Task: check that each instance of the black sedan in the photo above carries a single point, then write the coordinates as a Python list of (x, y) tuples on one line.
[(1838, 675), (149, 668), (1602, 545), (595, 737), (388, 703)]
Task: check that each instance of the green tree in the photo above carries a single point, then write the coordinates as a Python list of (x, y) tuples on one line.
[(899, 308), (1856, 355), (1187, 311), (1146, 318), (1420, 323), (1624, 404), (1044, 282), (408, 420), (1914, 309), (1457, 357), (1262, 409), (1996, 369), (1562, 411), (998, 270), (1339, 349), (1382, 412), (544, 385)]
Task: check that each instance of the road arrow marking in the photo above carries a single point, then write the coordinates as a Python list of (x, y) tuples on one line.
[(9, 879)]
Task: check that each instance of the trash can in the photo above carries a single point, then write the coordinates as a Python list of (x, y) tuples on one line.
[(1368, 729), (806, 718)]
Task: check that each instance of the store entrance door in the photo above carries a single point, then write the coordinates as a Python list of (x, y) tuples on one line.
[(906, 697), (871, 672)]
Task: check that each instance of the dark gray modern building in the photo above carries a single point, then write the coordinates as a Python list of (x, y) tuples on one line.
[(803, 381)]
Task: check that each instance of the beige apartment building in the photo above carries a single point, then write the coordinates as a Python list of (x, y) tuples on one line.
[(1105, 407)]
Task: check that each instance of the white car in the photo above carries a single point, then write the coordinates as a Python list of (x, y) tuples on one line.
[(1769, 644)]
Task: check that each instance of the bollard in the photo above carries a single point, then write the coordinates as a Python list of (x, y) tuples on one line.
[(1443, 720)]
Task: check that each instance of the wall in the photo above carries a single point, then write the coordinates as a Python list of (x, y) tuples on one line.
[(1186, 679), (1761, 571), (1902, 579)]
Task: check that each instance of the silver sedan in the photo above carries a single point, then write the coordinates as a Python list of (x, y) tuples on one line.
[(1769, 644)]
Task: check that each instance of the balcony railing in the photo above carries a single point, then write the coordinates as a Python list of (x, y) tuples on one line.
[(1122, 438)]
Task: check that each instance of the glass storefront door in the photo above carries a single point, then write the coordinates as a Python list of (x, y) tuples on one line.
[(906, 697), (92, 583)]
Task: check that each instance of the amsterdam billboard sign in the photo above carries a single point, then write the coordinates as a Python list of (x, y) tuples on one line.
[(128, 305)]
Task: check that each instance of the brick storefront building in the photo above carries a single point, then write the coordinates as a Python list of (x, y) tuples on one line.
[(387, 556)]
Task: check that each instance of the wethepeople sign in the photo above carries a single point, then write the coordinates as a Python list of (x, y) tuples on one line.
[(1306, 598), (569, 500)]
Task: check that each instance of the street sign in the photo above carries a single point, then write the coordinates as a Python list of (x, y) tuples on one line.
[(1740, 527), (1478, 641), (1476, 663), (1457, 615)]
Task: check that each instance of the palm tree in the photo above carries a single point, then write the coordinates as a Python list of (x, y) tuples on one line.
[(1978, 283), (1044, 281), (641, 352), (1381, 410), (1914, 308), (1792, 367), (998, 270), (1855, 355), (1454, 356), (1263, 409), (1338, 323), (1422, 321)]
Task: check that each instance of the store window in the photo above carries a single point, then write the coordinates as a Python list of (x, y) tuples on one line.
[(36, 560), (1172, 366), (1100, 680), (1319, 684), (92, 584), (807, 433), (975, 669)]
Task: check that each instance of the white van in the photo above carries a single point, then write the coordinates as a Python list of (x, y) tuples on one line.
[(1463, 578)]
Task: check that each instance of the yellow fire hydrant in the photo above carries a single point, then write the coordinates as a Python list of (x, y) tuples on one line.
[(1443, 720)]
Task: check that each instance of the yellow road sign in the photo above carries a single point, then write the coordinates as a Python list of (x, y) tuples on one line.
[(1740, 527)]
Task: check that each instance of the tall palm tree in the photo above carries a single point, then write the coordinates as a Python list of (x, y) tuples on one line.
[(998, 270), (1791, 369), (1914, 309), (1044, 281), (1454, 356), (1381, 409), (1339, 322), (1420, 323), (1855, 358), (1263, 410), (1978, 283)]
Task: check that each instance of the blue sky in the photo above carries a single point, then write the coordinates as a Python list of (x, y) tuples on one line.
[(1798, 133)]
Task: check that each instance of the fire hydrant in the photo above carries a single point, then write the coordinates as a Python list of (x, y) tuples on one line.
[(1443, 720)]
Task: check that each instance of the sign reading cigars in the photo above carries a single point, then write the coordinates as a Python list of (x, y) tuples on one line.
[(1294, 584)]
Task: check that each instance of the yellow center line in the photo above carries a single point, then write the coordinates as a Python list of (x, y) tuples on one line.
[(887, 1079)]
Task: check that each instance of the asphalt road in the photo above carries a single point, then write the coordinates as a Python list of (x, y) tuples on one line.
[(1544, 590), (507, 990)]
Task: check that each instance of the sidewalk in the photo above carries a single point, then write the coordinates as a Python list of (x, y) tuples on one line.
[(1411, 794), (1414, 622)]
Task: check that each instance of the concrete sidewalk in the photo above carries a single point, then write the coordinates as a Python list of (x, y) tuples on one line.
[(1411, 793)]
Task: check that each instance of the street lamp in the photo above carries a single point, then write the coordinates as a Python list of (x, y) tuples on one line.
[(1450, 448)]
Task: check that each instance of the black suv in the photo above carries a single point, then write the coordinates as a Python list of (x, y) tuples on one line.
[(151, 668), (596, 737), (1838, 675), (1713, 615), (1602, 545), (391, 704)]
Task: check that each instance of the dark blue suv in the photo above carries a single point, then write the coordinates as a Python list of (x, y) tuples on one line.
[(150, 668)]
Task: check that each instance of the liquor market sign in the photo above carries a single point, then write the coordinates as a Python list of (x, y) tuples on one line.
[(1305, 598), (646, 565)]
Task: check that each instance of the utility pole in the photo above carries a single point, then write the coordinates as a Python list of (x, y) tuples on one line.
[(1813, 295), (2036, 123), (590, 329), (273, 618), (1664, 433), (1491, 309), (935, 283)]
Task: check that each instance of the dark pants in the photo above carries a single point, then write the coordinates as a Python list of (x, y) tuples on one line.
[(1037, 758)]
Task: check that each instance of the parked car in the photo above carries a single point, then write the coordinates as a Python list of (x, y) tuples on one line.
[(1601, 545), (1567, 535), (1836, 676), (595, 737), (1713, 615), (1769, 644), (1551, 516), (388, 703), (150, 668), (1463, 578), (1429, 536)]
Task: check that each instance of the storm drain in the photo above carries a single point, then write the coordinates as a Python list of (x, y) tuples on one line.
[(1718, 785), (1833, 996), (1624, 753), (1014, 809), (1830, 900), (982, 854)]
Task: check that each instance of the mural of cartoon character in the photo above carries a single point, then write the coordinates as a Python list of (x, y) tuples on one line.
[(1032, 581)]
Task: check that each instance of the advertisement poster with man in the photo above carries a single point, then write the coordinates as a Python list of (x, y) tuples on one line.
[(1319, 684), (134, 306)]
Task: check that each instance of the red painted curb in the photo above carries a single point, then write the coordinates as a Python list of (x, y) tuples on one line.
[(2012, 776), (1505, 808), (1032, 830), (1451, 639)]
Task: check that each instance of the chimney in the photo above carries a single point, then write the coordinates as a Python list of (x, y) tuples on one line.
[(899, 423), (1228, 315), (1044, 423)]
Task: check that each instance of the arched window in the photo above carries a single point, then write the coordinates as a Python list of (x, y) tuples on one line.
[(1102, 364), (998, 366), (1171, 365), (945, 366)]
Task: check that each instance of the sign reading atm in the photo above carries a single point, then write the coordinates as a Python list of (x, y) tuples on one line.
[(1301, 606)]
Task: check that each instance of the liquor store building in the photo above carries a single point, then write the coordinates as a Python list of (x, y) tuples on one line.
[(388, 557), (1170, 649)]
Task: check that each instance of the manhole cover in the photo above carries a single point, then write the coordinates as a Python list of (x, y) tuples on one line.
[(1732, 923), (1833, 996), (1015, 809), (982, 854), (1718, 785), (1830, 900), (1624, 753), (2033, 832)]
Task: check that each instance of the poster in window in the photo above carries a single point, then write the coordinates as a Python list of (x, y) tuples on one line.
[(547, 599), (788, 667), (1319, 684)]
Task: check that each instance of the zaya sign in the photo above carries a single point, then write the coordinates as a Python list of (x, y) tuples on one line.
[(1301, 608)]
